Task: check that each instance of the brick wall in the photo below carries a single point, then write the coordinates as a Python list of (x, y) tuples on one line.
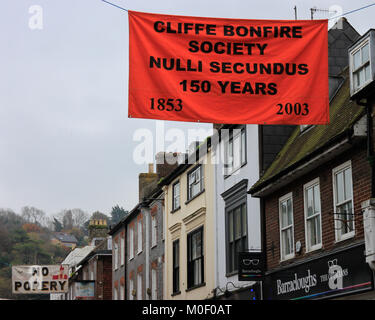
[(361, 192)]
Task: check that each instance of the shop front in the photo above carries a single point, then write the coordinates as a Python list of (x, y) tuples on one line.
[(343, 273)]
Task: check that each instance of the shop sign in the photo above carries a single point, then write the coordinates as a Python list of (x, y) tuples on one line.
[(333, 275)]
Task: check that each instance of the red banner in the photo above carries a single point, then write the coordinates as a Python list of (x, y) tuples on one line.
[(228, 70)]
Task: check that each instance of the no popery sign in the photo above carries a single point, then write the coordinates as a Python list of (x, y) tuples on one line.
[(228, 70), (35, 279)]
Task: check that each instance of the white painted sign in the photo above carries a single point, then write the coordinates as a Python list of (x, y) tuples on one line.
[(35, 279)]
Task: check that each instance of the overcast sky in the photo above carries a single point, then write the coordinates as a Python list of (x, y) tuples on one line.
[(65, 139)]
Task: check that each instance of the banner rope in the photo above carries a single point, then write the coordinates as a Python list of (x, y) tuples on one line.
[(115, 5), (344, 14), (355, 10)]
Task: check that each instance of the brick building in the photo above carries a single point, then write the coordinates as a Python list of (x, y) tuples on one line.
[(312, 195)]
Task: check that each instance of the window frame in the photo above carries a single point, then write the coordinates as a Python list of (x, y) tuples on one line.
[(174, 208), (231, 245), (139, 294), (362, 66), (341, 168), (201, 182), (116, 250), (131, 288), (154, 284), (122, 292), (309, 247), (122, 250), (154, 236), (175, 269), (229, 141), (289, 256), (139, 236), (131, 242), (190, 274)]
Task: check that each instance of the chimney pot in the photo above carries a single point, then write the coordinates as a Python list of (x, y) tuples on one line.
[(150, 168)]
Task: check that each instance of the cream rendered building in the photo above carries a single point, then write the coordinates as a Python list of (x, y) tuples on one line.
[(189, 229)]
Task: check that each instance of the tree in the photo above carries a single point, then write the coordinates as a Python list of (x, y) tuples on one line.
[(117, 214), (31, 227), (33, 215), (68, 220), (79, 217), (57, 225)]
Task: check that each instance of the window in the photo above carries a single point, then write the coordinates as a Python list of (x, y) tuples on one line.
[(139, 286), (343, 201), (313, 215), (116, 255), (139, 223), (131, 288), (195, 268), (153, 231), (122, 250), (115, 294), (361, 66), (131, 243), (154, 292), (235, 150), (122, 292), (286, 227), (176, 266), (195, 182), (236, 226), (176, 196)]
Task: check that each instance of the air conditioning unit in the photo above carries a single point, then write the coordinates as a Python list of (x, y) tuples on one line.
[(362, 65)]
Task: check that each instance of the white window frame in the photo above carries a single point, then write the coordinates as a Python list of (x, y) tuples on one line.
[(338, 236), (361, 66), (139, 236), (139, 286), (122, 292), (153, 231), (131, 242), (233, 161), (312, 184), (131, 288), (176, 196), (281, 229), (122, 250), (196, 181), (116, 255), (154, 288)]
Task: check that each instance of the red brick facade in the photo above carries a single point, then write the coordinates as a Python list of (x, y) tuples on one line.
[(361, 192)]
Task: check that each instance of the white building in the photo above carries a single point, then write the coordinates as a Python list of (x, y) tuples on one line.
[(244, 151)]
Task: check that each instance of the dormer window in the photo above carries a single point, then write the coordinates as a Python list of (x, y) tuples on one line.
[(361, 57), (361, 66)]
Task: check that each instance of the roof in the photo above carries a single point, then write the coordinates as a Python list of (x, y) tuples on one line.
[(94, 253), (75, 256), (64, 237), (340, 37), (301, 146)]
